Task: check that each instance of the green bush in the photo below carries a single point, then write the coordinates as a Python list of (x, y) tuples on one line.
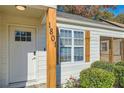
[(103, 65), (119, 74), (96, 78), (121, 63), (122, 82)]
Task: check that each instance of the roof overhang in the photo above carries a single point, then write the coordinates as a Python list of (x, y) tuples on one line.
[(87, 24), (42, 6)]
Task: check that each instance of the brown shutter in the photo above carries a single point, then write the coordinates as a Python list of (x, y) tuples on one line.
[(87, 46), (111, 50), (57, 44), (122, 49)]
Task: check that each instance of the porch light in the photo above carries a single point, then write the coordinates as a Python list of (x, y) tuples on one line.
[(20, 7)]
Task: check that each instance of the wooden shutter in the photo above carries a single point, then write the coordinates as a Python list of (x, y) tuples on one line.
[(122, 49), (57, 44), (111, 50), (87, 46)]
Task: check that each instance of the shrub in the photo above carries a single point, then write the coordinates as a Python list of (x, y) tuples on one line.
[(119, 74), (103, 65), (71, 83), (122, 82), (121, 63), (96, 78)]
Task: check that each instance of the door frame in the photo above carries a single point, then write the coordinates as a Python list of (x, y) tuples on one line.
[(8, 46)]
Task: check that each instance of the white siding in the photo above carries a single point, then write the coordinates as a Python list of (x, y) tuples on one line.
[(64, 71), (0, 50), (73, 69)]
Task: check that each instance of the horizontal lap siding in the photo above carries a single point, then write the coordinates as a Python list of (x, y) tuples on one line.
[(0, 50), (41, 66), (64, 71), (94, 46), (3, 54)]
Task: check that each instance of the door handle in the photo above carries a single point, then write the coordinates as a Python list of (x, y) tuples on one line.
[(34, 53)]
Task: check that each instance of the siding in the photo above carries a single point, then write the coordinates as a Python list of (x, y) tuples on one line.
[(41, 59), (64, 71), (0, 49)]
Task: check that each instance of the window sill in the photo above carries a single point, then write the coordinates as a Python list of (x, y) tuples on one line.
[(73, 63)]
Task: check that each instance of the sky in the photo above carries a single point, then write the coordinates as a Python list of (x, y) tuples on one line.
[(118, 10)]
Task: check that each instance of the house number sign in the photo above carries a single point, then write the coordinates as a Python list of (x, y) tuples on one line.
[(51, 33)]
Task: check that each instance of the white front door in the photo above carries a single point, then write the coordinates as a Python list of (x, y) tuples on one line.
[(21, 54)]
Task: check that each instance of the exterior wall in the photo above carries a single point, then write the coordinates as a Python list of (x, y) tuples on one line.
[(4, 40), (42, 54), (65, 70), (0, 50)]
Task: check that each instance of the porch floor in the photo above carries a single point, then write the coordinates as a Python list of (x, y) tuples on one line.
[(42, 85)]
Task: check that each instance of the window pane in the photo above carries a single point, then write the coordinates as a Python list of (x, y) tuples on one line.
[(65, 41), (69, 33), (17, 38), (28, 33), (78, 34), (78, 38), (23, 38), (65, 54), (23, 33), (81, 35), (17, 33), (78, 53), (65, 33), (62, 32), (28, 38), (78, 42)]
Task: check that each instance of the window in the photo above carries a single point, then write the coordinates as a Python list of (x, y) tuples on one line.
[(104, 46), (22, 36), (71, 45)]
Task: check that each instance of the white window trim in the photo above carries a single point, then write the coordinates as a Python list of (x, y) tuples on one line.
[(72, 50)]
